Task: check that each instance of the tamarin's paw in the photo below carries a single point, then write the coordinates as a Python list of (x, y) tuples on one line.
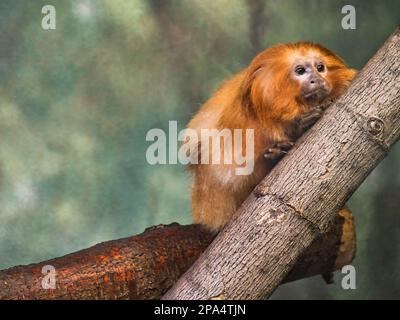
[(326, 104), (278, 150), (309, 118)]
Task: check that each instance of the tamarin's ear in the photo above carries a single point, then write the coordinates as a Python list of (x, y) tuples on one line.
[(264, 80), (256, 90), (247, 87), (268, 93)]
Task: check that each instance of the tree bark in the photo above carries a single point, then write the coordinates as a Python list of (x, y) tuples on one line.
[(297, 201), (147, 265)]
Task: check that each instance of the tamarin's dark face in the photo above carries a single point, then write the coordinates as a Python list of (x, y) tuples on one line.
[(311, 74)]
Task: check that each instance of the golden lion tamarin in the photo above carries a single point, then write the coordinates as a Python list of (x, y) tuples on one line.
[(279, 95)]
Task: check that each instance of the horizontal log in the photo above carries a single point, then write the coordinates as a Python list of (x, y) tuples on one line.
[(145, 266)]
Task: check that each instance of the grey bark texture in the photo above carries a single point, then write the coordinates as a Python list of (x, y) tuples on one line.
[(297, 201)]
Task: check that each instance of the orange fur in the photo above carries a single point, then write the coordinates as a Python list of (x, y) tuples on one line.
[(263, 97)]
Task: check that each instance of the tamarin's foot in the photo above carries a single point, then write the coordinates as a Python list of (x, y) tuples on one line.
[(278, 150)]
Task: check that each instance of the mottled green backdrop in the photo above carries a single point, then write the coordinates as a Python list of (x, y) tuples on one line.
[(76, 103)]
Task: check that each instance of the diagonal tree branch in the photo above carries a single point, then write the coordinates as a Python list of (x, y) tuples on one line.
[(297, 201)]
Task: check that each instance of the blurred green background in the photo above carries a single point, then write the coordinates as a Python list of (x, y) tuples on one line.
[(76, 103)]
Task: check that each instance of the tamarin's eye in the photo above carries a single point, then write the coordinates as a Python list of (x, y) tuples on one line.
[(320, 67), (299, 70)]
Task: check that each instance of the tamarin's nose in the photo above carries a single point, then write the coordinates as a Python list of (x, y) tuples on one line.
[(314, 81)]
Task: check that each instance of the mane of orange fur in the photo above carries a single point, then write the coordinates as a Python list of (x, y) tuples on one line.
[(265, 91)]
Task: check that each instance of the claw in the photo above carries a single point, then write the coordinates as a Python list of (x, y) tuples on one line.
[(278, 150), (285, 145)]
